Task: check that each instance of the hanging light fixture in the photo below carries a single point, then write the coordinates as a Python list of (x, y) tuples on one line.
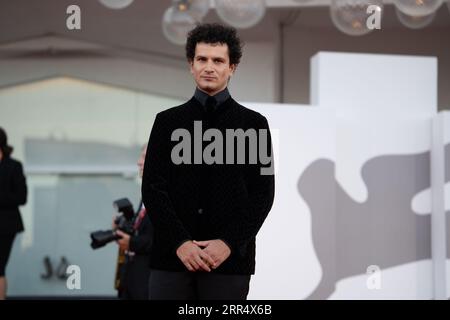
[(241, 13), (196, 8), (350, 16), (418, 7), (415, 22), (176, 24), (116, 4)]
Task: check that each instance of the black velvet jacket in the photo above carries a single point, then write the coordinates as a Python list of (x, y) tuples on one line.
[(205, 201)]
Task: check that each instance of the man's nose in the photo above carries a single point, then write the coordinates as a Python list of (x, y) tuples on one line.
[(209, 67)]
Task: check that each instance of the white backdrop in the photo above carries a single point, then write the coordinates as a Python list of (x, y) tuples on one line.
[(370, 126)]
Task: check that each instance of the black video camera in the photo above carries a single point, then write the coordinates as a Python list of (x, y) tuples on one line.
[(124, 223)]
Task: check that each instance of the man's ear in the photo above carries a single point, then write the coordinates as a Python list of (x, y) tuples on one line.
[(232, 68), (191, 66)]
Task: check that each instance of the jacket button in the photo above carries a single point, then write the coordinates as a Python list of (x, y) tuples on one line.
[(200, 211)]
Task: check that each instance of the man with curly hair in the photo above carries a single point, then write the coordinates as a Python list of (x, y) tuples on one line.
[(206, 214)]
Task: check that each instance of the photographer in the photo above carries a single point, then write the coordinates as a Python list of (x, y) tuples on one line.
[(135, 272)]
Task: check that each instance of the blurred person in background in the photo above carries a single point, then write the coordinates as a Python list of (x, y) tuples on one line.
[(135, 271), (13, 193)]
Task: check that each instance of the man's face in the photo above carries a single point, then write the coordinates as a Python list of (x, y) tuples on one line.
[(141, 161), (211, 67)]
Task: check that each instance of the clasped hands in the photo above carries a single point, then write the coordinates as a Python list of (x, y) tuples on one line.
[(203, 255)]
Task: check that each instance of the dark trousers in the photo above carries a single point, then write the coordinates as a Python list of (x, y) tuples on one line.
[(167, 285), (134, 278), (6, 242)]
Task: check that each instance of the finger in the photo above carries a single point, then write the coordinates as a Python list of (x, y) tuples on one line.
[(188, 266), (194, 264), (202, 264), (209, 260), (217, 264)]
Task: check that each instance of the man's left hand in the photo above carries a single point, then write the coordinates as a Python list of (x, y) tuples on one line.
[(216, 249)]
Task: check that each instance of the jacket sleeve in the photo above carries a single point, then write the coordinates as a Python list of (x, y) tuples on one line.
[(261, 191), (16, 193), (155, 193)]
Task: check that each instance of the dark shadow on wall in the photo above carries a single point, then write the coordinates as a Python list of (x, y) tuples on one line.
[(382, 231)]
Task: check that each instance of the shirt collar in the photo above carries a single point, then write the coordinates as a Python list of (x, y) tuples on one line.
[(221, 97)]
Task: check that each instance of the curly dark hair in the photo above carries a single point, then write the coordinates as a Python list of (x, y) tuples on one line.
[(215, 33)]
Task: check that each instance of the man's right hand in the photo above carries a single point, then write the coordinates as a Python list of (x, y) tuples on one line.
[(194, 258)]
